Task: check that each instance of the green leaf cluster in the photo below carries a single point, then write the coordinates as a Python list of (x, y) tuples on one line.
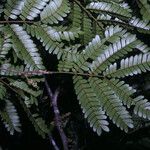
[(96, 41)]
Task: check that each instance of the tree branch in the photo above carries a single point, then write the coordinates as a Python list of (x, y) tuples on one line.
[(52, 141), (58, 121), (16, 22), (45, 72)]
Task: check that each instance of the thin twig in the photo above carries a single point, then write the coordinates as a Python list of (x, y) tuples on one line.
[(8, 86), (58, 121), (52, 141), (16, 22), (45, 72), (124, 24), (88, 13)]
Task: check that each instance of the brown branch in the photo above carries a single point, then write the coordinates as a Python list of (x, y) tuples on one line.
[(124, 24), (16, 22), (45, 72), (58, 120)]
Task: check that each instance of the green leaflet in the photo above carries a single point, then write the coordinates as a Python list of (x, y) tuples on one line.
[(81, 19), (57, 35), (25, 9), (5, 45), (31, 9), (98, 45), (10, 117), (49, 12), (55, 11), (2, 91), (120, 43), (39, 124), (142, 26), (142, 107), (144, 9), (46, 39), (25, 48), (113, 52), (52, 38), (122, 90), (125, 93), (30, 101), (110, 8), (116, 1), (87, 29), (90, 105), (6, 69), (129, 66), (111, 104), (69, 57), (13, 8), (76, 15), (23, 86)]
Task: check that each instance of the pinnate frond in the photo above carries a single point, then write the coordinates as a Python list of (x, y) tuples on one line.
[(122, 90), (55, 11), (110, 8), (5, 45), (25, 48), (10, 117), (130, 66), (90, 105), (144, 9), (111, 104)]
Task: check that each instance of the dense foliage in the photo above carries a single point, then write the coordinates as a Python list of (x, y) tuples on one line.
[(97, 42)]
